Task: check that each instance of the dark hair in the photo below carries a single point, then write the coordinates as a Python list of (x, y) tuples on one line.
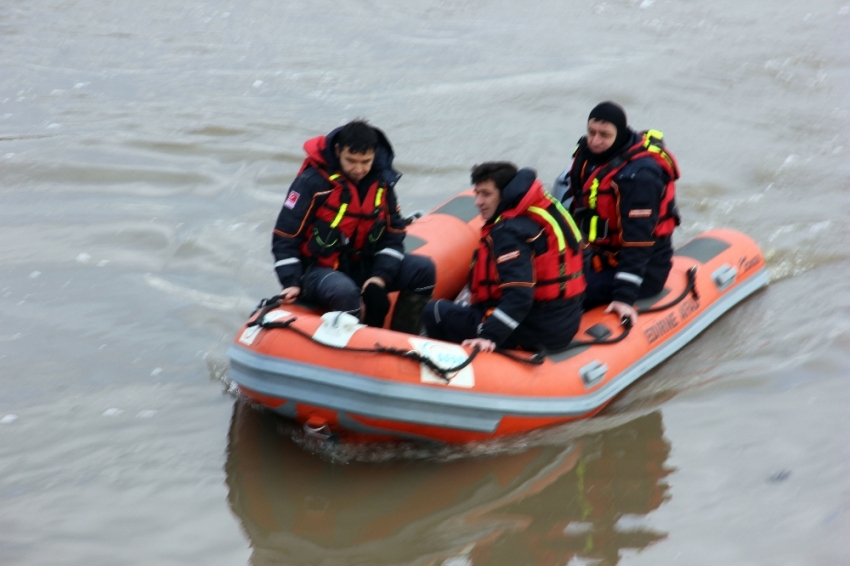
[(500, 172), (358, 136)]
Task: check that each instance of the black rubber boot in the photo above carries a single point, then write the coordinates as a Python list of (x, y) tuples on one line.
[(407, 315), (377, 305)]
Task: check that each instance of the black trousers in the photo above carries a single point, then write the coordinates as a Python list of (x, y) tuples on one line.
[(336, 291), (548, 328)]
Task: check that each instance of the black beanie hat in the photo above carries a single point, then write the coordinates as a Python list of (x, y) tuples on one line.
[(612, 112)]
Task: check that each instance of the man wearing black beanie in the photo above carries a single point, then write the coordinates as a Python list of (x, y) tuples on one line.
[(621, 190)]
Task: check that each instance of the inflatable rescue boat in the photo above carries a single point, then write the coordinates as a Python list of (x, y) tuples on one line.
[(343, 380)]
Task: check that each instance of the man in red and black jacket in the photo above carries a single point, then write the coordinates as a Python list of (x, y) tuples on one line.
[(339, 235), (526, 281), (621, 191)]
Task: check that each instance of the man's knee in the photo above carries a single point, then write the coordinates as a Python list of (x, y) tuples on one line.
[(421, 272), (338, 292)]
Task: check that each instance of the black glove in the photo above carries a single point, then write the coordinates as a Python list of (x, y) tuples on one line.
[(377, 305)]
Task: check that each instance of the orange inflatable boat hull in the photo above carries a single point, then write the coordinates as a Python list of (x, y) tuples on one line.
[(348, 381)]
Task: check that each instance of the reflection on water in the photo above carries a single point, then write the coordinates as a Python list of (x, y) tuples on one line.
[(585, 502)]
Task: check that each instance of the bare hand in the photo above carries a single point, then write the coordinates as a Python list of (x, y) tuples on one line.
[(482, 344), (623, 310), (289, 295), (376, 280)]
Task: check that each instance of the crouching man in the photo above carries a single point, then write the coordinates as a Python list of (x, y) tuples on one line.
[(526, 280)]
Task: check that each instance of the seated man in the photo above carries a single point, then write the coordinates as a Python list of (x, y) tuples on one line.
[(621, 190), (526, 281), (339, 233)]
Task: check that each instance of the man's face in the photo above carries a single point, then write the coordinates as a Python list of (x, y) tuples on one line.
[(600, 135), (487, 198), (355, 166)]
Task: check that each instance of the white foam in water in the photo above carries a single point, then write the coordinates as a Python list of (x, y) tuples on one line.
[(8, 419), (258, 83), (112, 412), (156, 371), (35, 274), (146, 414), (83, 257)]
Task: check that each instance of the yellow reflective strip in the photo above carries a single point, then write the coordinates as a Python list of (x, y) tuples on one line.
[(562, 243), (378, 196), (334, 177), (568, 217), (651, 139), (591, 200), (339, 215), (591, 237)]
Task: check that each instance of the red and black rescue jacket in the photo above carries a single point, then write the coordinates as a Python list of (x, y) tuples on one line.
[(597, 202), (529, 256), (327, 220)]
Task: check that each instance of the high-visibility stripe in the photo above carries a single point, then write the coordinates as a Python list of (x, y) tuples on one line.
[(339, 215), (378, 194), (630, 277), (654, 135), (288, 261), (334, 177), (392, 253), (562, 244), (505, 319), (594, 221), (568, 217), (591, 200)]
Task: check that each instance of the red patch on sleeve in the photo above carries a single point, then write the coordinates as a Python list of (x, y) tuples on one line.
[(291, 199)]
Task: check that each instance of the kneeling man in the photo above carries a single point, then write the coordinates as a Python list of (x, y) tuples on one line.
[(526, 280)]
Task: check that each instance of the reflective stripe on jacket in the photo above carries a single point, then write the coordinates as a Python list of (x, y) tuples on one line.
[(557, 257)]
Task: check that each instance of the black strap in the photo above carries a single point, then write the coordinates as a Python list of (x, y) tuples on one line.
[(536, 358)]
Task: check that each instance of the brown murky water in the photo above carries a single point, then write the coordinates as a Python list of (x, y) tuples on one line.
[(145, 150)]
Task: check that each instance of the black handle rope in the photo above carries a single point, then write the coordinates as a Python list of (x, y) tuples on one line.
[(691, 288), (267, 305), (626, 322), (377, 349)]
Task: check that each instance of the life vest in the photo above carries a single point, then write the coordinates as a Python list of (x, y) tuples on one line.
[(344, 227), (557, 270), (597, 205)]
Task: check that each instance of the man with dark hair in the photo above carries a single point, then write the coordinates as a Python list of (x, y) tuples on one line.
[(526, 281), (621, 190), (339, 234)]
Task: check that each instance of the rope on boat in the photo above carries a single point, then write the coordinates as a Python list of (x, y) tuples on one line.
[(267, 305), (690, 288)]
